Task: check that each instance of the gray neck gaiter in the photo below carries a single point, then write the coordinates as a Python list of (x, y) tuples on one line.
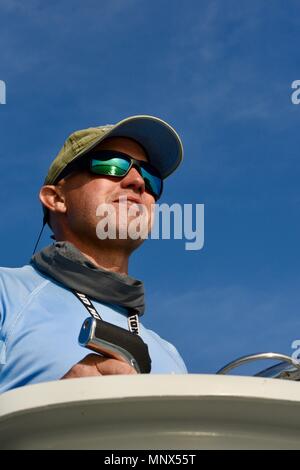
[(66, 264)]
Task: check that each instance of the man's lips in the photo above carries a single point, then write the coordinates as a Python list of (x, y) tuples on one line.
[(123, 199)]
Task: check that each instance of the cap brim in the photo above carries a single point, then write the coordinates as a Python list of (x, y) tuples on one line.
[(159, 139)]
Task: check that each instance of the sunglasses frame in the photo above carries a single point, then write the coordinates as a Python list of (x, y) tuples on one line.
[(133, 163)]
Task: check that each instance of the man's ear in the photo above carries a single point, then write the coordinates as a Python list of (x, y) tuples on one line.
[(52, 197)]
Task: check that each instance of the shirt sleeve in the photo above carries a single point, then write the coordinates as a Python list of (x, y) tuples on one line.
[(170, 348), (176, 356)]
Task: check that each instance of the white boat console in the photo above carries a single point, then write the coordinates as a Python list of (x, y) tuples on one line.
[(153, 412)]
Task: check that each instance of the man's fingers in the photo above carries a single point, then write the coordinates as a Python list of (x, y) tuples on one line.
[(107, 366), (94, 364)]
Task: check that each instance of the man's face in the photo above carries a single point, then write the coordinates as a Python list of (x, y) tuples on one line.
[(85, 193)]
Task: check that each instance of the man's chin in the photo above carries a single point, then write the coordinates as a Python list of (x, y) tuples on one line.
[(126, 244)]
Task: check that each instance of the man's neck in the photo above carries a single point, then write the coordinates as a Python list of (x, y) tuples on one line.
[(111, 258), (112, 261)]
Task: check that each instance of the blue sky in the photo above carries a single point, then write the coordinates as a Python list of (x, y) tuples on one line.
[(221, 74)]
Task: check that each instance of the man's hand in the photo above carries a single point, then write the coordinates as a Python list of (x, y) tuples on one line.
[(94, 365)]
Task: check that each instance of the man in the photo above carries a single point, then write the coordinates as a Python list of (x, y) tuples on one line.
[(41, 308)]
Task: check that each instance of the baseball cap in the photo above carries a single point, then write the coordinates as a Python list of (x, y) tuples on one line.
[(160, 141)]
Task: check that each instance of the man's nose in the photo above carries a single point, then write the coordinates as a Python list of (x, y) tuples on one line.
[(133, 180)]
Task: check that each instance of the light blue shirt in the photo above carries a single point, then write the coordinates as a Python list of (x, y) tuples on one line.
[(40, 322)]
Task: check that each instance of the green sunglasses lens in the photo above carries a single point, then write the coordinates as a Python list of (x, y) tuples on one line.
[(118, 166), (110, 167)]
